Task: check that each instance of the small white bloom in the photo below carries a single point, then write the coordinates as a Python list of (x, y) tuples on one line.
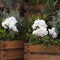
[(43, 31), (36, 32), (13, 19), (10, 22), (40, 32), (34, 26), (5, 23), (39, 23), (52, 32), (15, 29)]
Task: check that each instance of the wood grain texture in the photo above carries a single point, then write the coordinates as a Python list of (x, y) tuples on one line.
[(40, 48), (38, 52), (42, 57), (11, 50)]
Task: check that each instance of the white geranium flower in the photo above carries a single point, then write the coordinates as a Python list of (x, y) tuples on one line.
[(39, 23), (40, 32), (43, 31), (15, 29), (5, 23), (13, 19), (52, 32), (10, 22), (34, 26), (36, 32)]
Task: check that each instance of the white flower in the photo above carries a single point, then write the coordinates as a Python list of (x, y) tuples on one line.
[(40, 32), (13, 19), (52, 32), (43, 31), (5, 23), (15, 29), (10, 23), (34, 26), (36, 32), (39, 23)]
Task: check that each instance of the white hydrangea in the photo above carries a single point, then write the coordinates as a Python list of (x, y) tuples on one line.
[(40, 32), (10, 23), (52, 32), (39, 23)]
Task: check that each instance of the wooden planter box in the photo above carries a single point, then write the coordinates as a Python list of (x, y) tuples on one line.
[(11, 50), (38, 52)]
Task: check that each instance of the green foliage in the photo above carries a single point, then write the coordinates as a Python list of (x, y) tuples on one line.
[(46, 40), (50, 5), (3, 34), (56, 21), (33, 39), (6, 34), (52, 17), (27, 23), (11, 4)]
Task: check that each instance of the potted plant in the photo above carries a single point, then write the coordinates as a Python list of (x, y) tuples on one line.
[(43, 40), (11, 42)]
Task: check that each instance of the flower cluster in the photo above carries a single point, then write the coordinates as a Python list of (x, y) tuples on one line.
[(52, 32), (10, 23), (40, 28), (9, 29)]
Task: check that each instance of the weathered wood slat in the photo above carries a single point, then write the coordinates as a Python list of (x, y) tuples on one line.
[(11, 44), (12, 54), (15, 44), (40, 48), (41, 57), (38, 52), (10, 50)]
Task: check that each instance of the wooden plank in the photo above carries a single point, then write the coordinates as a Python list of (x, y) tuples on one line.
[(11, 44), (14, 44), (40, 48), (26, 48), (11, 50), (12, 54), (41, 57), (1, 44)]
